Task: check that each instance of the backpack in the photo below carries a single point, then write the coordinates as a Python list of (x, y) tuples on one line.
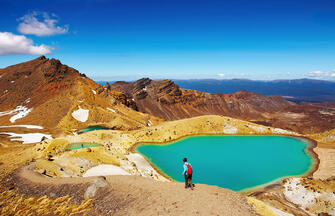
[(189, 169)]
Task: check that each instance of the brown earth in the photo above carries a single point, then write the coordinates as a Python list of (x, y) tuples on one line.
[(164, 99)]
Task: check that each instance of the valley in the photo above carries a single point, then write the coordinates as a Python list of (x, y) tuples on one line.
[(44, 105)]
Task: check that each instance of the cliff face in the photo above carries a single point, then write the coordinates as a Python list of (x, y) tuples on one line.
[(166, 100), (47, 93)]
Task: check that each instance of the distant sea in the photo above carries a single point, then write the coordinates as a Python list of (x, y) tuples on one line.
[(298, 90)]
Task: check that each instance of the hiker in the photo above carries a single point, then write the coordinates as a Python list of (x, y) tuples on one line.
[(188, 174)]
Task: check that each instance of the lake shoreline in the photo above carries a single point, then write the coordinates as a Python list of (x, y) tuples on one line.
[(309, 150)]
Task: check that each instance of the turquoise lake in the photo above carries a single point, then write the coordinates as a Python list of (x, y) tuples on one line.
[(234, 162), (92, 128)]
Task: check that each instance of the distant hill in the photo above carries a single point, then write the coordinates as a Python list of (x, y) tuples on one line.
[(298, 90), (164, 99)]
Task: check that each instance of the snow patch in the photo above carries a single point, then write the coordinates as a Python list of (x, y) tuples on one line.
[(23, 112), (27, 138), (94, 92), (257, 128), (5, 91), (105, 169), (133, 99), (13, 81), (26, 126), (111, 110), (145, 88), (80, 114), (149, 123), (298, 194), (19, 111), (281, 131), (229, 129)]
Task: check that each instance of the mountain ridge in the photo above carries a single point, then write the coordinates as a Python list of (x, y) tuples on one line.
[(54, 91), (296, 90), (165, 99)]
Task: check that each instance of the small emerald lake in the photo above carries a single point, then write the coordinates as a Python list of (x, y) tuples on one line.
[(234, 162), (92, 128), (75, 146)]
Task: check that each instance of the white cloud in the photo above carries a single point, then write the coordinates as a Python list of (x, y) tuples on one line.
[(322, 74), (221, 75), (19, 44), (30, 24)]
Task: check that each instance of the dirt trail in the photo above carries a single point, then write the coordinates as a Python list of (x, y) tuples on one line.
[(134, 195)]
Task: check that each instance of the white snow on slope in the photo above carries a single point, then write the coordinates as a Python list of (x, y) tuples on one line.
[(298, 194), (229, 129), (21, 114), (257, 128), (105, 169), (26, 126), (80, 114), (111, 110), (281, 131), (27, 138), (94, 92), (19, 111)]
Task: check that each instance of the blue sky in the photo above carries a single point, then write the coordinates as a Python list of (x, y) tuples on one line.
[(174, 39)]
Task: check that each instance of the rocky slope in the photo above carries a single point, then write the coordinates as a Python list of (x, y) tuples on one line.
[(166, 100), (59, 99)]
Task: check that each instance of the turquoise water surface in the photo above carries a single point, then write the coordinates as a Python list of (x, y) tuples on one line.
[(234, 162), (75, 146), (92, 128)]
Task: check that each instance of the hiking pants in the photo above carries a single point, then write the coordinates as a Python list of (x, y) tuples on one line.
[(188, 180)]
